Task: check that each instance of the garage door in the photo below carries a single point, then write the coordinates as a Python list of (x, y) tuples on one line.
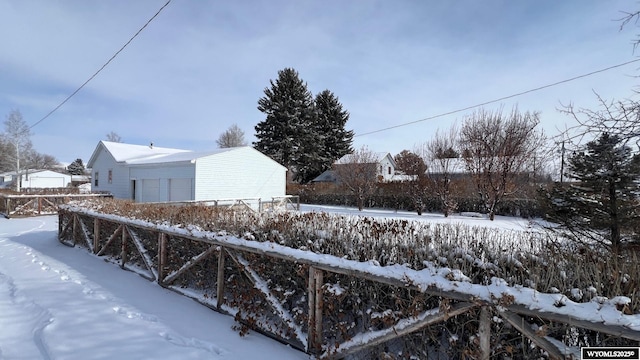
[(150, 190), (180, 189)]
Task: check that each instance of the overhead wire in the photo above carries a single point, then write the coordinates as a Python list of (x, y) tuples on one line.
[(102, 67), (499, 99)]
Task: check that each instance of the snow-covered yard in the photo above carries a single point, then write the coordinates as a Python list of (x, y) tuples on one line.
[(63, 303), (470, 219)]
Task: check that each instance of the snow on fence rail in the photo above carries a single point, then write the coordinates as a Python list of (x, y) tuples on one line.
[(333, 307), (13, 205)]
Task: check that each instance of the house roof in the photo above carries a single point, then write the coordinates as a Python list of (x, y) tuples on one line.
[(33, 171), (185, 156), (128, 152), (146, 155), (377, 156)]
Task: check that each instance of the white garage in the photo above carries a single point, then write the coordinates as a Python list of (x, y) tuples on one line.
[(156, 174), (45, 179)]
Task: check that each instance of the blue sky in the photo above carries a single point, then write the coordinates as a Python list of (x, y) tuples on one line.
[(201, 66)]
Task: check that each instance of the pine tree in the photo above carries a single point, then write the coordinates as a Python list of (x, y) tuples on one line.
[(76, 167), (304, 134), (287, 134), (601, 205), (332, 119)]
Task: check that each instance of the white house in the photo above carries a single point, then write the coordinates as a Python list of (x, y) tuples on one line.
[(156, 174), (37, 179), (6, 179), (385, 167)]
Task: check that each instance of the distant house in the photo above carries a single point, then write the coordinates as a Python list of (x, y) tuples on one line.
[(156, 174), (36, 179), (385, 165), (6, 179)]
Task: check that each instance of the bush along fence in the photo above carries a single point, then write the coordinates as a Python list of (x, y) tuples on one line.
[(20, 205), (332, 307)]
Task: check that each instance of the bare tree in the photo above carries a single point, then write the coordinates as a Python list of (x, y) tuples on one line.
[(627, 18), (17, 135), (441, 158), (6, 164), (114, 137), (619, 118), (232, 137), (357, 173), (499, 148), (37, 160)]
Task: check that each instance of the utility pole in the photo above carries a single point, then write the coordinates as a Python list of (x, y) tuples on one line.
[(562, 164)]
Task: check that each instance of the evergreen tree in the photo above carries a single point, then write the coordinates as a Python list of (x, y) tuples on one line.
[(332, 119), (76, 167), (305, 134), (287, 134), (601, 205)]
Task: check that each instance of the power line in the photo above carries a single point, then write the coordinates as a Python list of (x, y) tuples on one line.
[(499, 99), (103, 66)]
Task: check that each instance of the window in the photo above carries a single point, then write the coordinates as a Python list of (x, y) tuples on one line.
[(110, 176), (95, 179), (389, 170)]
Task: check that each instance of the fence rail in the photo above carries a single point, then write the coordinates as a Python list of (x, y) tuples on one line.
[(310, 301), (19, 205)]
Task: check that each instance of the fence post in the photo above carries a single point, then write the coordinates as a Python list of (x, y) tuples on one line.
[(484, 333), (96, 235), (75, 228), (220, 279), (60, 220), (314, 336), (123, 253), (162, 256)]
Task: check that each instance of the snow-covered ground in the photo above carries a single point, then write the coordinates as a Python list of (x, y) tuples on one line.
[(470, 219), (62, 303)]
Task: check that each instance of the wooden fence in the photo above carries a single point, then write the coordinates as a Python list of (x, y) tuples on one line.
[(17, 205), (325, 306)]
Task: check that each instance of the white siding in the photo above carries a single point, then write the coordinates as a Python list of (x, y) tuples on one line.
[(120, 185), (240, 173), (386, 169)]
